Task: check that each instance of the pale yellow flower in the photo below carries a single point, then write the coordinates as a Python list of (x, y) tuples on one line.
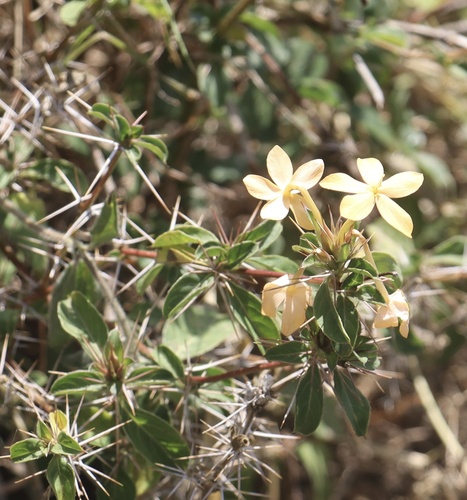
[(284, 193), (295, 295), (374, 191), (394, 313)]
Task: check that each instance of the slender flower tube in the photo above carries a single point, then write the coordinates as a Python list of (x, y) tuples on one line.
[(374, 191), (289, 189), (295, 295)]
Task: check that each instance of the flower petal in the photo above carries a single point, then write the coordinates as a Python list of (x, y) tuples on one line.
[(260, 187), (371, 170), (274, 294), (343, 183), (275, 209), (394, 215), (402, 184), (385, 318), (404, 329), (394, 313), (279, 166), (300, 213), (296, 303), (308, 174), (357, 206), (399, 301)]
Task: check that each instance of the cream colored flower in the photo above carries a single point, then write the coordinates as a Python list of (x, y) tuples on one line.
[(375, 191), (394, 313), (284, 192), (296, 297)]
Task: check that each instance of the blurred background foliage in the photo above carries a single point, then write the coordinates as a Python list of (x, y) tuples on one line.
[(224, 81)]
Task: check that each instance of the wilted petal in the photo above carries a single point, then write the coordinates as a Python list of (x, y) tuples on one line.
[(402, 184), (394, 313), (296, 303), (371, 170), (385, 318), (276, 209), (308, 174), (274, 294), (300, 213), (394, 215), (357, 206), (279, 166), (260, 187), (344, 183)]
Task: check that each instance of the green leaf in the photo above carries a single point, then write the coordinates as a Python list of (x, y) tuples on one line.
[(174, 238), (327, 316), (456, 245), (435, 169), (146, 376), (265, 234), (213, 83), (309, 401), (83, 321), (115, 345), (356, 406), (332, 359), (277, 263), (102, 111), (58, 421), (121, 487), (309, 241), (78, 382), (290, 352), (27, 449), (211, 250), (76, 276), (43, 431), (450, 252), (185, 235), (349, 317), (155, 145), (239, 252), (259, 23), (123, 129), (321, 90), (66, 445), (247, 311), (201, 235), (8, 317), (168, 360), (106, 226), (385, 35), (197, 331), (71, 12), (148, 278), (185, 291), (61, 478), (313, 455), (359, 269), (155, 439), (375, 125), (136, 131), (388, 265), (366, 353)]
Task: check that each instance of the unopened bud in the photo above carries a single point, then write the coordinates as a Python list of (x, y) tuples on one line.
[(322, 255)]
